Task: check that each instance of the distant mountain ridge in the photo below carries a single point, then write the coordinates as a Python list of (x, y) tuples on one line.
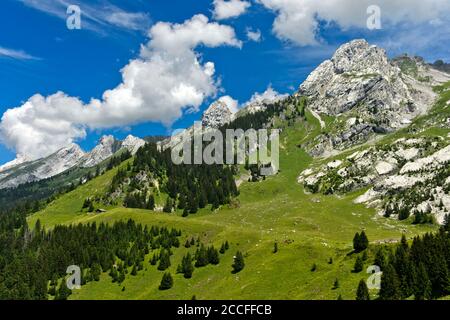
[(22, 171)]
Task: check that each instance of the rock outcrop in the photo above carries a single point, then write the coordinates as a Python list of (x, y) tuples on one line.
[(217, 115), (22, 171), (366, 94), (409, 174)]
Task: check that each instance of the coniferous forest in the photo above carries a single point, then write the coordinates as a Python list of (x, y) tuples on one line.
[(189, 187), (95, 249)]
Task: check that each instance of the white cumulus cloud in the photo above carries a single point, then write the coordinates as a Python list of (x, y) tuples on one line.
[(269, 95), (226, 9), (253, 35), (167, 79), (298, 20)]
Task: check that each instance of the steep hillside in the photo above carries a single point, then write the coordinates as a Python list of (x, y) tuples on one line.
[(309, 229), (406, 174), (344, 133)]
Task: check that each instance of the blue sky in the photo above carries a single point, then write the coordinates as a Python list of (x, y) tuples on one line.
[(39, 54)]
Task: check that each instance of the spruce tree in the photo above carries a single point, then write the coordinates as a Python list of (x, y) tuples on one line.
[(356, 242), (154, 260), (166, 281), (239, 263), (186, 266), (362, 293), (359, 264), (364, 241), (201, 257), (213, 255), (380, 259), (422, 287), (164, 260), (390, 285), (360, 242)]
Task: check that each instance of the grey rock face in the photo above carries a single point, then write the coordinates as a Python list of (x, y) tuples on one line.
[(50, 166), (132, 144), (67, 158), (216, 115), (107, 147), (359, 81), (393, 172)]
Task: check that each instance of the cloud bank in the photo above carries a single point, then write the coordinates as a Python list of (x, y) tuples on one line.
[(297, 21), (229, 9), (166, 79)]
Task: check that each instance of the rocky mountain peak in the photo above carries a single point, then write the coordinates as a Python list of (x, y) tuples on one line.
[(132, 143), (108, 145), (359, 56), (217, 115), (71, 150), (365, 93)]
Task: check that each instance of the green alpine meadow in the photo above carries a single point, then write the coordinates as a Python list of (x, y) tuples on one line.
[(338, 189)]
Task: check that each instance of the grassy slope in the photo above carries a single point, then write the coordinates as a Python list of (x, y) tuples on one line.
[(309, 229)]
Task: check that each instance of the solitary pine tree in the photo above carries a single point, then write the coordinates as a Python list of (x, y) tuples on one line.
[(239, 263), (166, 281), (359, 264), (186, 266), (362, 293)]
